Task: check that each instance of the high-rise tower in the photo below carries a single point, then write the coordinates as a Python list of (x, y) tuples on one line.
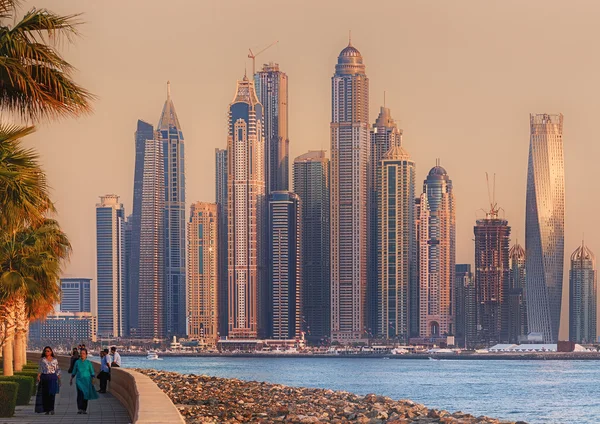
[(111, 266), (221, 200), (466, 307), (396, 182), (144, 132), (545, 225), (349, 163), (202, 286), (437, 247), (384, 136), (285, 257), (517, 295), (311, 184), (272, 92), (246, 215), (170, 134), (151, 286), (492, 274), (582, 296)]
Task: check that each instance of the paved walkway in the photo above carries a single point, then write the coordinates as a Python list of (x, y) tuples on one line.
[(105, 409)]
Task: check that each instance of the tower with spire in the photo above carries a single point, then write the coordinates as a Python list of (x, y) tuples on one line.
[(582, 296), (171, 136), (349, 195)]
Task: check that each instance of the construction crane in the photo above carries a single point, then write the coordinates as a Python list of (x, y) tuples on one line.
[(492, 197), (252, 55)]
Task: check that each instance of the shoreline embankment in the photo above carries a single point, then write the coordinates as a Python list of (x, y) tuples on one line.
[(204, 399)]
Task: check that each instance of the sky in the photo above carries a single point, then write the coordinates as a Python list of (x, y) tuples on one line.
[(461, 79)]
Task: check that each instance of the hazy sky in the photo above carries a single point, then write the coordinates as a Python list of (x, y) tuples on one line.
[(461, 79)]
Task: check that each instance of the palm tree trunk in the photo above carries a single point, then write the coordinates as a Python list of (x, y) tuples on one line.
[(7, 349), (20, 329)]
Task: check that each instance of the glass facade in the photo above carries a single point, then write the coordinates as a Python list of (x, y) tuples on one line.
[(517, 318), (221, 199), (545, 225), (583, 296), (75, 294)]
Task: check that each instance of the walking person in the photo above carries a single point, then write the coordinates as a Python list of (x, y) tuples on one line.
[(74, 357), (116, 357), (104, 374), (84, 371), (49, 381)]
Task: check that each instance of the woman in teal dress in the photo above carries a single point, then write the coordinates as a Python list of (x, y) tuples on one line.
[(84, 371)]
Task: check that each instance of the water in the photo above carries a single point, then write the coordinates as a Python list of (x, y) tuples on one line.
[(534, 391)]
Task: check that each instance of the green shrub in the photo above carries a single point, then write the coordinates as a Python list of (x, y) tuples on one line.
[(8, 398), (26, 385), (32, 375)]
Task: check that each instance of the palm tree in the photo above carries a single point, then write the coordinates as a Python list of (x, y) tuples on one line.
[(30, 260), (35, 81)]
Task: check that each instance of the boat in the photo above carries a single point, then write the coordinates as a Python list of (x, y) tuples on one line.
[(433, 359), (152, 355)]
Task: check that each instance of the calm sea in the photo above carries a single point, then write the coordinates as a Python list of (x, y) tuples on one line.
[(534, 391)]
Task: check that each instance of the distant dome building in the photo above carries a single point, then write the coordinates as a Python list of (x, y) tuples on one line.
[(582, 296)]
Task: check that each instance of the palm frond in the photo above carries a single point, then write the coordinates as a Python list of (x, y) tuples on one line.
[(43, 23), (7, 8)]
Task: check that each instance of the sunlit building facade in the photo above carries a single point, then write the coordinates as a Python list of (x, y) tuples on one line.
[(246, 214), (311, 184), (583, 296), (75, 294), (437, 253), (545, 225), (170, 134), (203, 273), (349, 196), (396, 182)]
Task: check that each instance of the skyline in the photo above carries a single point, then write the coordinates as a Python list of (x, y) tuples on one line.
[(495, 98)]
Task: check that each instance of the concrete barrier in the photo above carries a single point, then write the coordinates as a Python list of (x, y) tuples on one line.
[(144, 400)]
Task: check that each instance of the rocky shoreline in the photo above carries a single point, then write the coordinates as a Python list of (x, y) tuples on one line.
[(203, 399)]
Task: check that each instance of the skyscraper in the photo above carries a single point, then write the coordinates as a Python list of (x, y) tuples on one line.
[(285, 253), (311, 184), (169, 131), (583, 296), (202, 286), (246, 215), (396, 182), (384, 136), (75, 295), (272, 92), (151, 286), (517, 300), (144, 132), (221, 199), (492, 275), (545, 225), (111, 267), (349, 162), (437, 247), (466, 307)]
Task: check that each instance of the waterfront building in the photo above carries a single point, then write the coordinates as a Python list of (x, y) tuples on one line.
[(396, 182), (144, 132), (437, 247), (246, 215), (272, 92), (70, 328), (285, 253), (151, 280), (349, 163), (111, 266), (414, 303), (384, 135), (221, 200), (311, 184), (583, 296), (492, 275), (545, 225), (466, 307), (202, 274), (170, 134), (517, 316), (75, 294)]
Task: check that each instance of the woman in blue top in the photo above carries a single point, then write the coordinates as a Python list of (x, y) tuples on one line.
[(84, 371), (49, 379)]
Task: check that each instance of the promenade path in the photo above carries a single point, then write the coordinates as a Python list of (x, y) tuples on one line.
[(105, 409)]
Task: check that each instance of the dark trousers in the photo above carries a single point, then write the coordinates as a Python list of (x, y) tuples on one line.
[(47, 396), (81, 401), (103, 377)]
